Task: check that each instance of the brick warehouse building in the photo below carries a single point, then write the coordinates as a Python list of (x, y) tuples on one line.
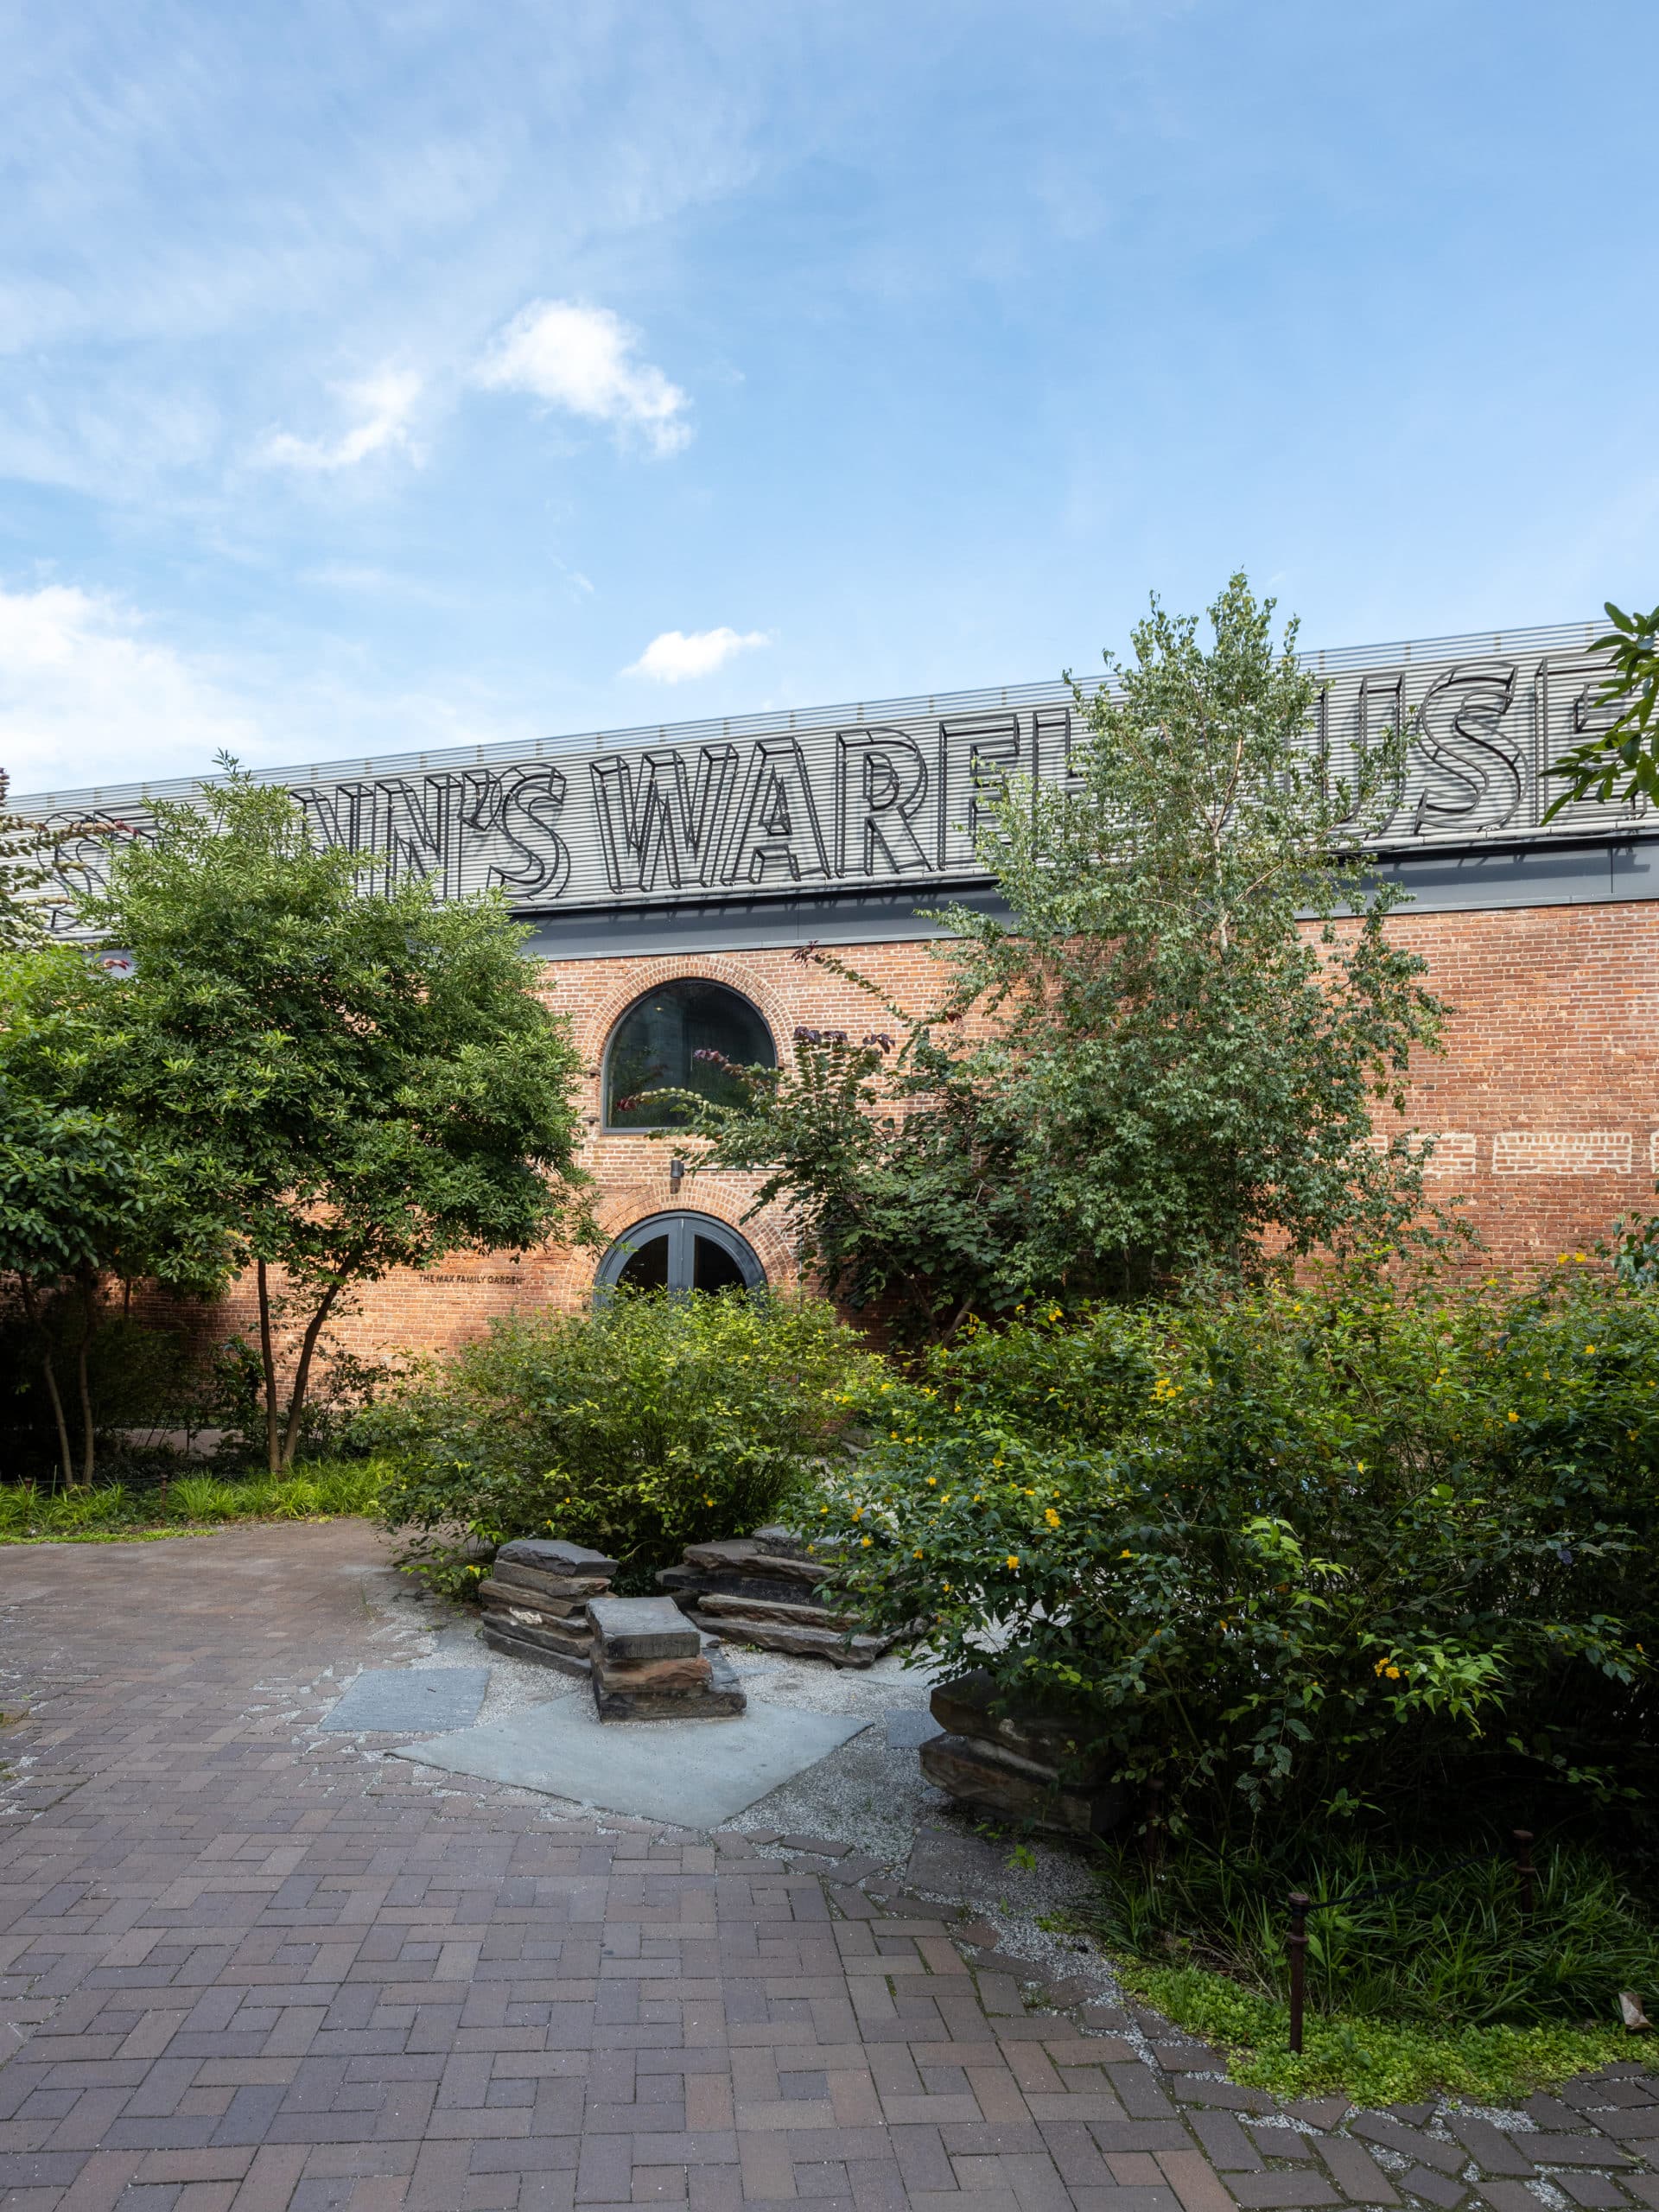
[(671, 875)]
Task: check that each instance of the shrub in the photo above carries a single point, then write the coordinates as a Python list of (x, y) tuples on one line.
[(1336, 1551), (640, 1427)]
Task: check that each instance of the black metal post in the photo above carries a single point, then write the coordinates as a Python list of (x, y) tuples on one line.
[(1525, 1872), (1297, 1945)]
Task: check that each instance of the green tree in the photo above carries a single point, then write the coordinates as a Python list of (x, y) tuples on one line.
[(1168, 1059), (82, 1200), (353, 1080), (1629, 745), (21, 876)]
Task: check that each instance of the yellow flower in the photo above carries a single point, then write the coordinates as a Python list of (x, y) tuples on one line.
[(1125, 1555), (1393, 1674), (946, 1586), (1381, 1663), (932, 1482), (1514, 1416), (1014, 1559), (1590, 1348), (916, 1552), (708, 1501), (1052, 1518), (865, 1542)]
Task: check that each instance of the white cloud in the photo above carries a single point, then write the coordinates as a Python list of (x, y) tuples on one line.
[(385, 403), (85, 699), (583, 358), (678, 654)]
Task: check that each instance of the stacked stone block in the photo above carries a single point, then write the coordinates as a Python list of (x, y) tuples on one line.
[(763, 1589), (536, 1602), (1021, 1761), (649, 1664)]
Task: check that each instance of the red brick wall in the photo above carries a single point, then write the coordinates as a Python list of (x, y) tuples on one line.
[(1547, 1093)]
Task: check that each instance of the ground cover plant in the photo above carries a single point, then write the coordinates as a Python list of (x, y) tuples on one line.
[(1424, 1974), (640, 1426), (114, 1512)]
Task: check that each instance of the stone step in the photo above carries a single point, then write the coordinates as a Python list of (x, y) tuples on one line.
[(687, 1584), (655, 1673), (631, 1628), (776, 1541), (513, 1643), (721, 1699), (831, 1643), (790, 1612), (528, 1596), (572, 1586), (538, 1628), (552, 1555), (982, 1775), (742, 1553), (1034, 1736)]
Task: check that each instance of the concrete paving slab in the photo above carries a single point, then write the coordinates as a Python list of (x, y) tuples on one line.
[(393, 1700), (907, 1731), (696, 1773)]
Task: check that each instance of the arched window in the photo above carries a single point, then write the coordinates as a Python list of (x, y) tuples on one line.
[(681, 1251), (675, 1039)]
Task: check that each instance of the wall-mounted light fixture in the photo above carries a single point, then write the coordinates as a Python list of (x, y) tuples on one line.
[(675, 1175)]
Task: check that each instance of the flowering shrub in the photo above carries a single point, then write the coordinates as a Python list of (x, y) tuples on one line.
[(1330, 1550), (646, 1425)]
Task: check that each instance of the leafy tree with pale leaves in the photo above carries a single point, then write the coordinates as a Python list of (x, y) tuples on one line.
[(1167, 1060), (21, 874), (353, 1081), (1629, 748)]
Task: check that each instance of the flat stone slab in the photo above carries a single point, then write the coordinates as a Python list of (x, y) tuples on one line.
[(679, 1771), (908, 1731), (642, 1628), (394, 1699), (552, 1555)]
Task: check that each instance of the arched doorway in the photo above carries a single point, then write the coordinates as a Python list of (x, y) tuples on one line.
[(681, 1251)]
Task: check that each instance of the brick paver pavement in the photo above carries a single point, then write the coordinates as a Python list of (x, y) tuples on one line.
[(245, 1968)]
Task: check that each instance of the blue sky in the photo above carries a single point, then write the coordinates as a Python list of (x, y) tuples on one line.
[(380, 377)]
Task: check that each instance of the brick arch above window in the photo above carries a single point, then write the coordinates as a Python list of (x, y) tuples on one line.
[(623, 1204), (593, 1022)]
